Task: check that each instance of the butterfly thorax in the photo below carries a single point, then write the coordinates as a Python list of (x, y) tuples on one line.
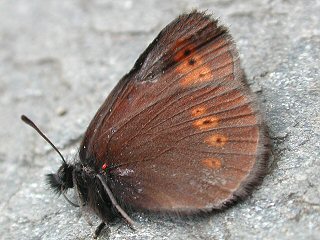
[(91, 192)]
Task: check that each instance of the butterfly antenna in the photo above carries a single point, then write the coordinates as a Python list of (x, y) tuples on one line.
[(31, 124)]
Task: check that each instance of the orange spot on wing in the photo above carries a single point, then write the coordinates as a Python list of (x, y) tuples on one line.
[(197, 76), (196, 66), (213, 163), (198, 73), (196, 112), (217, 140), (189, 63), (184, 52), (206, 122)]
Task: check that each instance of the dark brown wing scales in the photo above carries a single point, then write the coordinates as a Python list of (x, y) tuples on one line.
[(175, 42), (181, 129)]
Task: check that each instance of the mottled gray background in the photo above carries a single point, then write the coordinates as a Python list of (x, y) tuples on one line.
[(60, 59)]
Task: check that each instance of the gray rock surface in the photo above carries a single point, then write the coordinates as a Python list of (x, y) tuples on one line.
[(60, 59)]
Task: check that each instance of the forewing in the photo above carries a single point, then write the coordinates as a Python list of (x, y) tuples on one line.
[(183, 133)]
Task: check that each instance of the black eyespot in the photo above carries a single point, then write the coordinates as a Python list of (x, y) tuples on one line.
[(192, 61), (207, 121), (187, 52)]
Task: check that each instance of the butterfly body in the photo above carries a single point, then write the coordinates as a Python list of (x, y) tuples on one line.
[(180, 133)]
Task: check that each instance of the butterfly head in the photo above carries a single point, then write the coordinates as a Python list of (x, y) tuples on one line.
[(62, 180)]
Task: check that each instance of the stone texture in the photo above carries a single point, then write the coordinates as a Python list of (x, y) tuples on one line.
[(60, 59)]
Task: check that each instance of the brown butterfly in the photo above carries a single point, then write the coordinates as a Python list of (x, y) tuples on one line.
[(180, 133)]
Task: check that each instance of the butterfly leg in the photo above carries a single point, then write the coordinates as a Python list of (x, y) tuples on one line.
[(99, 229), (114, 202)]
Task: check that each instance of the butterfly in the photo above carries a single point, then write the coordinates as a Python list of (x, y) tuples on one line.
[(180, 133)]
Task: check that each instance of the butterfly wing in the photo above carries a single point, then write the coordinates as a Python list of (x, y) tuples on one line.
[(181, 131)]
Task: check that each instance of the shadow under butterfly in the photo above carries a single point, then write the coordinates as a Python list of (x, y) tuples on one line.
[(180, 133)]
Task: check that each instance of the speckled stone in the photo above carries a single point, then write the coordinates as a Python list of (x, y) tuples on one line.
[(60, 59)]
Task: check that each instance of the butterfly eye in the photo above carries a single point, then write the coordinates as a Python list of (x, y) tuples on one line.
[(64, 175)]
